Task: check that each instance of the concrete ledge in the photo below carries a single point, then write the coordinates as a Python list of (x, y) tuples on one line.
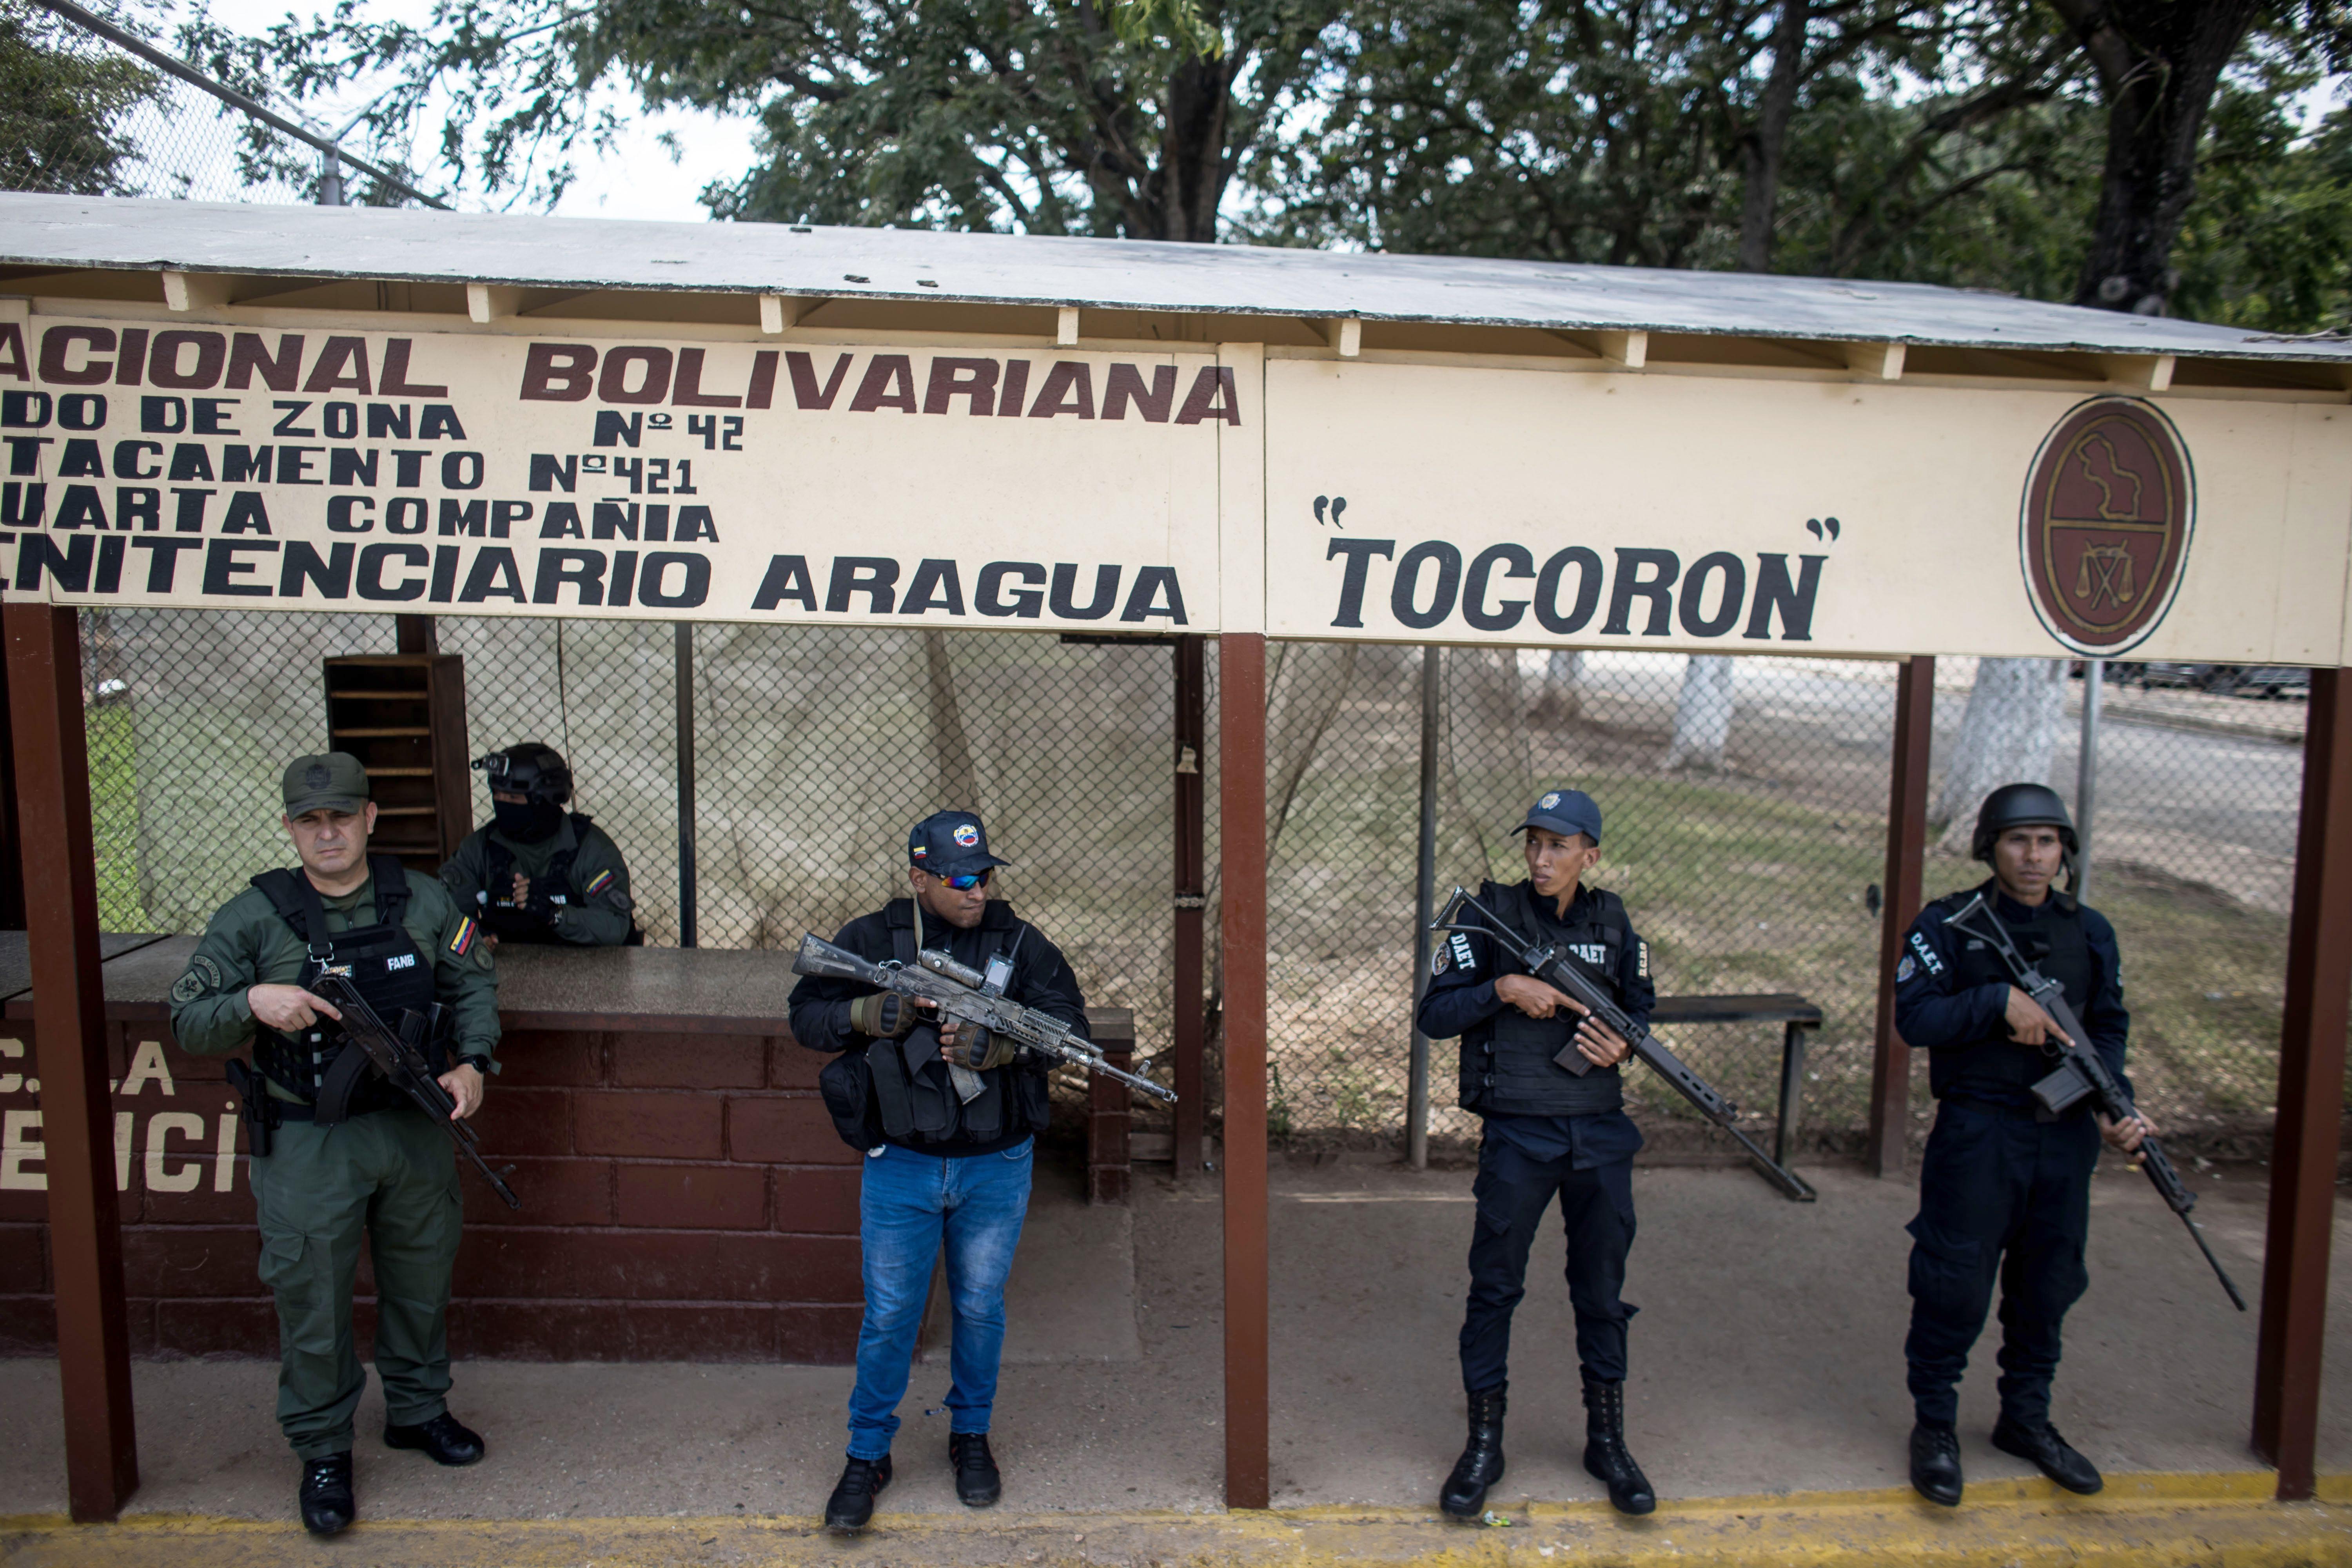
[(2145, 1521)]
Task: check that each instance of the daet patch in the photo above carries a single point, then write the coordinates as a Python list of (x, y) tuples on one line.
[(2110, 506)]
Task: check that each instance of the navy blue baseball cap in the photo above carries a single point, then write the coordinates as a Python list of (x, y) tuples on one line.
[(951, 844), (1564, 811)]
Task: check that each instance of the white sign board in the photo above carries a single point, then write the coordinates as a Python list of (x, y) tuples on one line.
[(489, 474), (1719, 515)]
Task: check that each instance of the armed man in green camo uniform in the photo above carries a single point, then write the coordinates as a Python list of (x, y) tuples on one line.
[(337, 1151)]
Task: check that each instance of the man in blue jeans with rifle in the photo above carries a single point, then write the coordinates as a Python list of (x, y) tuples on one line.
[(946, 1161)]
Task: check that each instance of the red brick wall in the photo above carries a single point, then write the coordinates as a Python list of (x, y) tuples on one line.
[(683, 1198)]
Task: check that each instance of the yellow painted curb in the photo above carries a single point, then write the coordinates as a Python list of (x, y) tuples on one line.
[(2228, 1520)]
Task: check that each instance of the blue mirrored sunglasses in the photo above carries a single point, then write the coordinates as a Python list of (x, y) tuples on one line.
[(964, 884)]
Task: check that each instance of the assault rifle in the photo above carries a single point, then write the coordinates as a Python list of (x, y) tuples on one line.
[(396, 1056), (1553, 964), (964, 993), (2081, 1073)]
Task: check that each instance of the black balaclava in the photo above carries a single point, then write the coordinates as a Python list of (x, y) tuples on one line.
[(527, 821)]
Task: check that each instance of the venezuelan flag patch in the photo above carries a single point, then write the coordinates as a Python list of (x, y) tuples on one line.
[(597, 884), (461, 941)]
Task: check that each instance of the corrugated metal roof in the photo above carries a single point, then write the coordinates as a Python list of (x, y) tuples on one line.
[(912, 264)]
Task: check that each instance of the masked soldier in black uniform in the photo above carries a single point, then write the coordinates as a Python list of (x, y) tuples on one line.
[(1547, 1132), (539, 873), (946, 1123), (2005, 1190)]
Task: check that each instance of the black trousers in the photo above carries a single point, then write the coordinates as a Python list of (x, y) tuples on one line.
[(1513, 1191), (2001, 1197)]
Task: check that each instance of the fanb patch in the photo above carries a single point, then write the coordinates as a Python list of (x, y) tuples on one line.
[(598, 883), (461, 941), (202, 979)]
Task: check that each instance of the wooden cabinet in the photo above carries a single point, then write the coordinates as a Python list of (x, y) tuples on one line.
[(403, 717)]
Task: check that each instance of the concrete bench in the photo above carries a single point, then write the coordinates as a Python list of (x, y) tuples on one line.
[(1785, 1009)]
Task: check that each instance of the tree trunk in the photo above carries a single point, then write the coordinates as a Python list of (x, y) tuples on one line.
[(951, 747), (1563, 700), (1702, 714), (1193, 167), (1762, 144), (2007, 736), (2158, 62)]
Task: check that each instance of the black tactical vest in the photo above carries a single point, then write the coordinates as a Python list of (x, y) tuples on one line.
[(1997, 1067), (510, 921), (1507, 1062), (386, 967), (914, 1097)]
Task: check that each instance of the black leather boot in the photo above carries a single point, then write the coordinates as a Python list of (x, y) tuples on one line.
[(851, 1506), (326, 1494), (1604, 1448), (1481, 1464), (978, 1484), (445, 1439), (1936, 1463), (2048, 1450)]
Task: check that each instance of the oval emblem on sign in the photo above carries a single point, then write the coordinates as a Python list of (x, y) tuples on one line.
[(2104, 533)]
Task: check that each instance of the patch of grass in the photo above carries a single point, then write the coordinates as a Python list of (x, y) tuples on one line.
[(114, 816)]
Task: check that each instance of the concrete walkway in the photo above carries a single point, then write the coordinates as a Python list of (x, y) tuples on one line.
[(1767, 1361)]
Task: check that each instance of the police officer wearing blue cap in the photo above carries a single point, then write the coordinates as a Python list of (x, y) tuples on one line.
[(938, 1168), (1548, 1132)]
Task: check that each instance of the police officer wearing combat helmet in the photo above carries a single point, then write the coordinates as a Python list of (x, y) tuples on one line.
[(1547, 1132), (337, 1151), (939, 1166), (2005, 1190), (539, 873)]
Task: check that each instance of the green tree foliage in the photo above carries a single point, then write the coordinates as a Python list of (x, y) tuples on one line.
[(1052, 116), (60, 105)]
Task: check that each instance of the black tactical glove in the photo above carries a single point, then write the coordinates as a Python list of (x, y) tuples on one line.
[(980, 1049), (885, 1015), (541, 904)]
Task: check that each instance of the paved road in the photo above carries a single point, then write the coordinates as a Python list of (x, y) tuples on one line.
[(2213, 808)]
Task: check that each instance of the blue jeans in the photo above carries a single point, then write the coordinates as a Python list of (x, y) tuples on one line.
[(908, 1204)]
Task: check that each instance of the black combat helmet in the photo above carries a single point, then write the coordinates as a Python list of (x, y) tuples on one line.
[(528, 768), (2023, 805)]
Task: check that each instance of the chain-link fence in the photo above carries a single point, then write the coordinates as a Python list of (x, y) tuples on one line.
[(1746, 807), (79, 116), (84, 114), (1745, 803)]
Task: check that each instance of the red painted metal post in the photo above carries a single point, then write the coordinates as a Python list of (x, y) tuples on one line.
[(1906, 849), (2310, 1096), (1240, 784), (1191, 891), (70, 1029)]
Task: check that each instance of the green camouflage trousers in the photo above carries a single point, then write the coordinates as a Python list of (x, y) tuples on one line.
[(392, 1174)]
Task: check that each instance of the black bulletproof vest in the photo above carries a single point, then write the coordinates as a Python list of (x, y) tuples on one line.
[(2051, 939), (913, 1093), (1506, 1063), (386, 967)]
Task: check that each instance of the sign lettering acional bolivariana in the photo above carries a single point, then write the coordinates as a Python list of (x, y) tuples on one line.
[(1151, 490), (213, 465)]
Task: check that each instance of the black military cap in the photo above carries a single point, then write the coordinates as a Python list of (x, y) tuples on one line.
[(1564, 812), (951, 844)]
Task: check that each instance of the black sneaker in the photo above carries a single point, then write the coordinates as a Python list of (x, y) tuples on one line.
[(851, 1506), (325, 1497), (2049, 1452), (977, 1482), (444, 1439), (1936, 1463)]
